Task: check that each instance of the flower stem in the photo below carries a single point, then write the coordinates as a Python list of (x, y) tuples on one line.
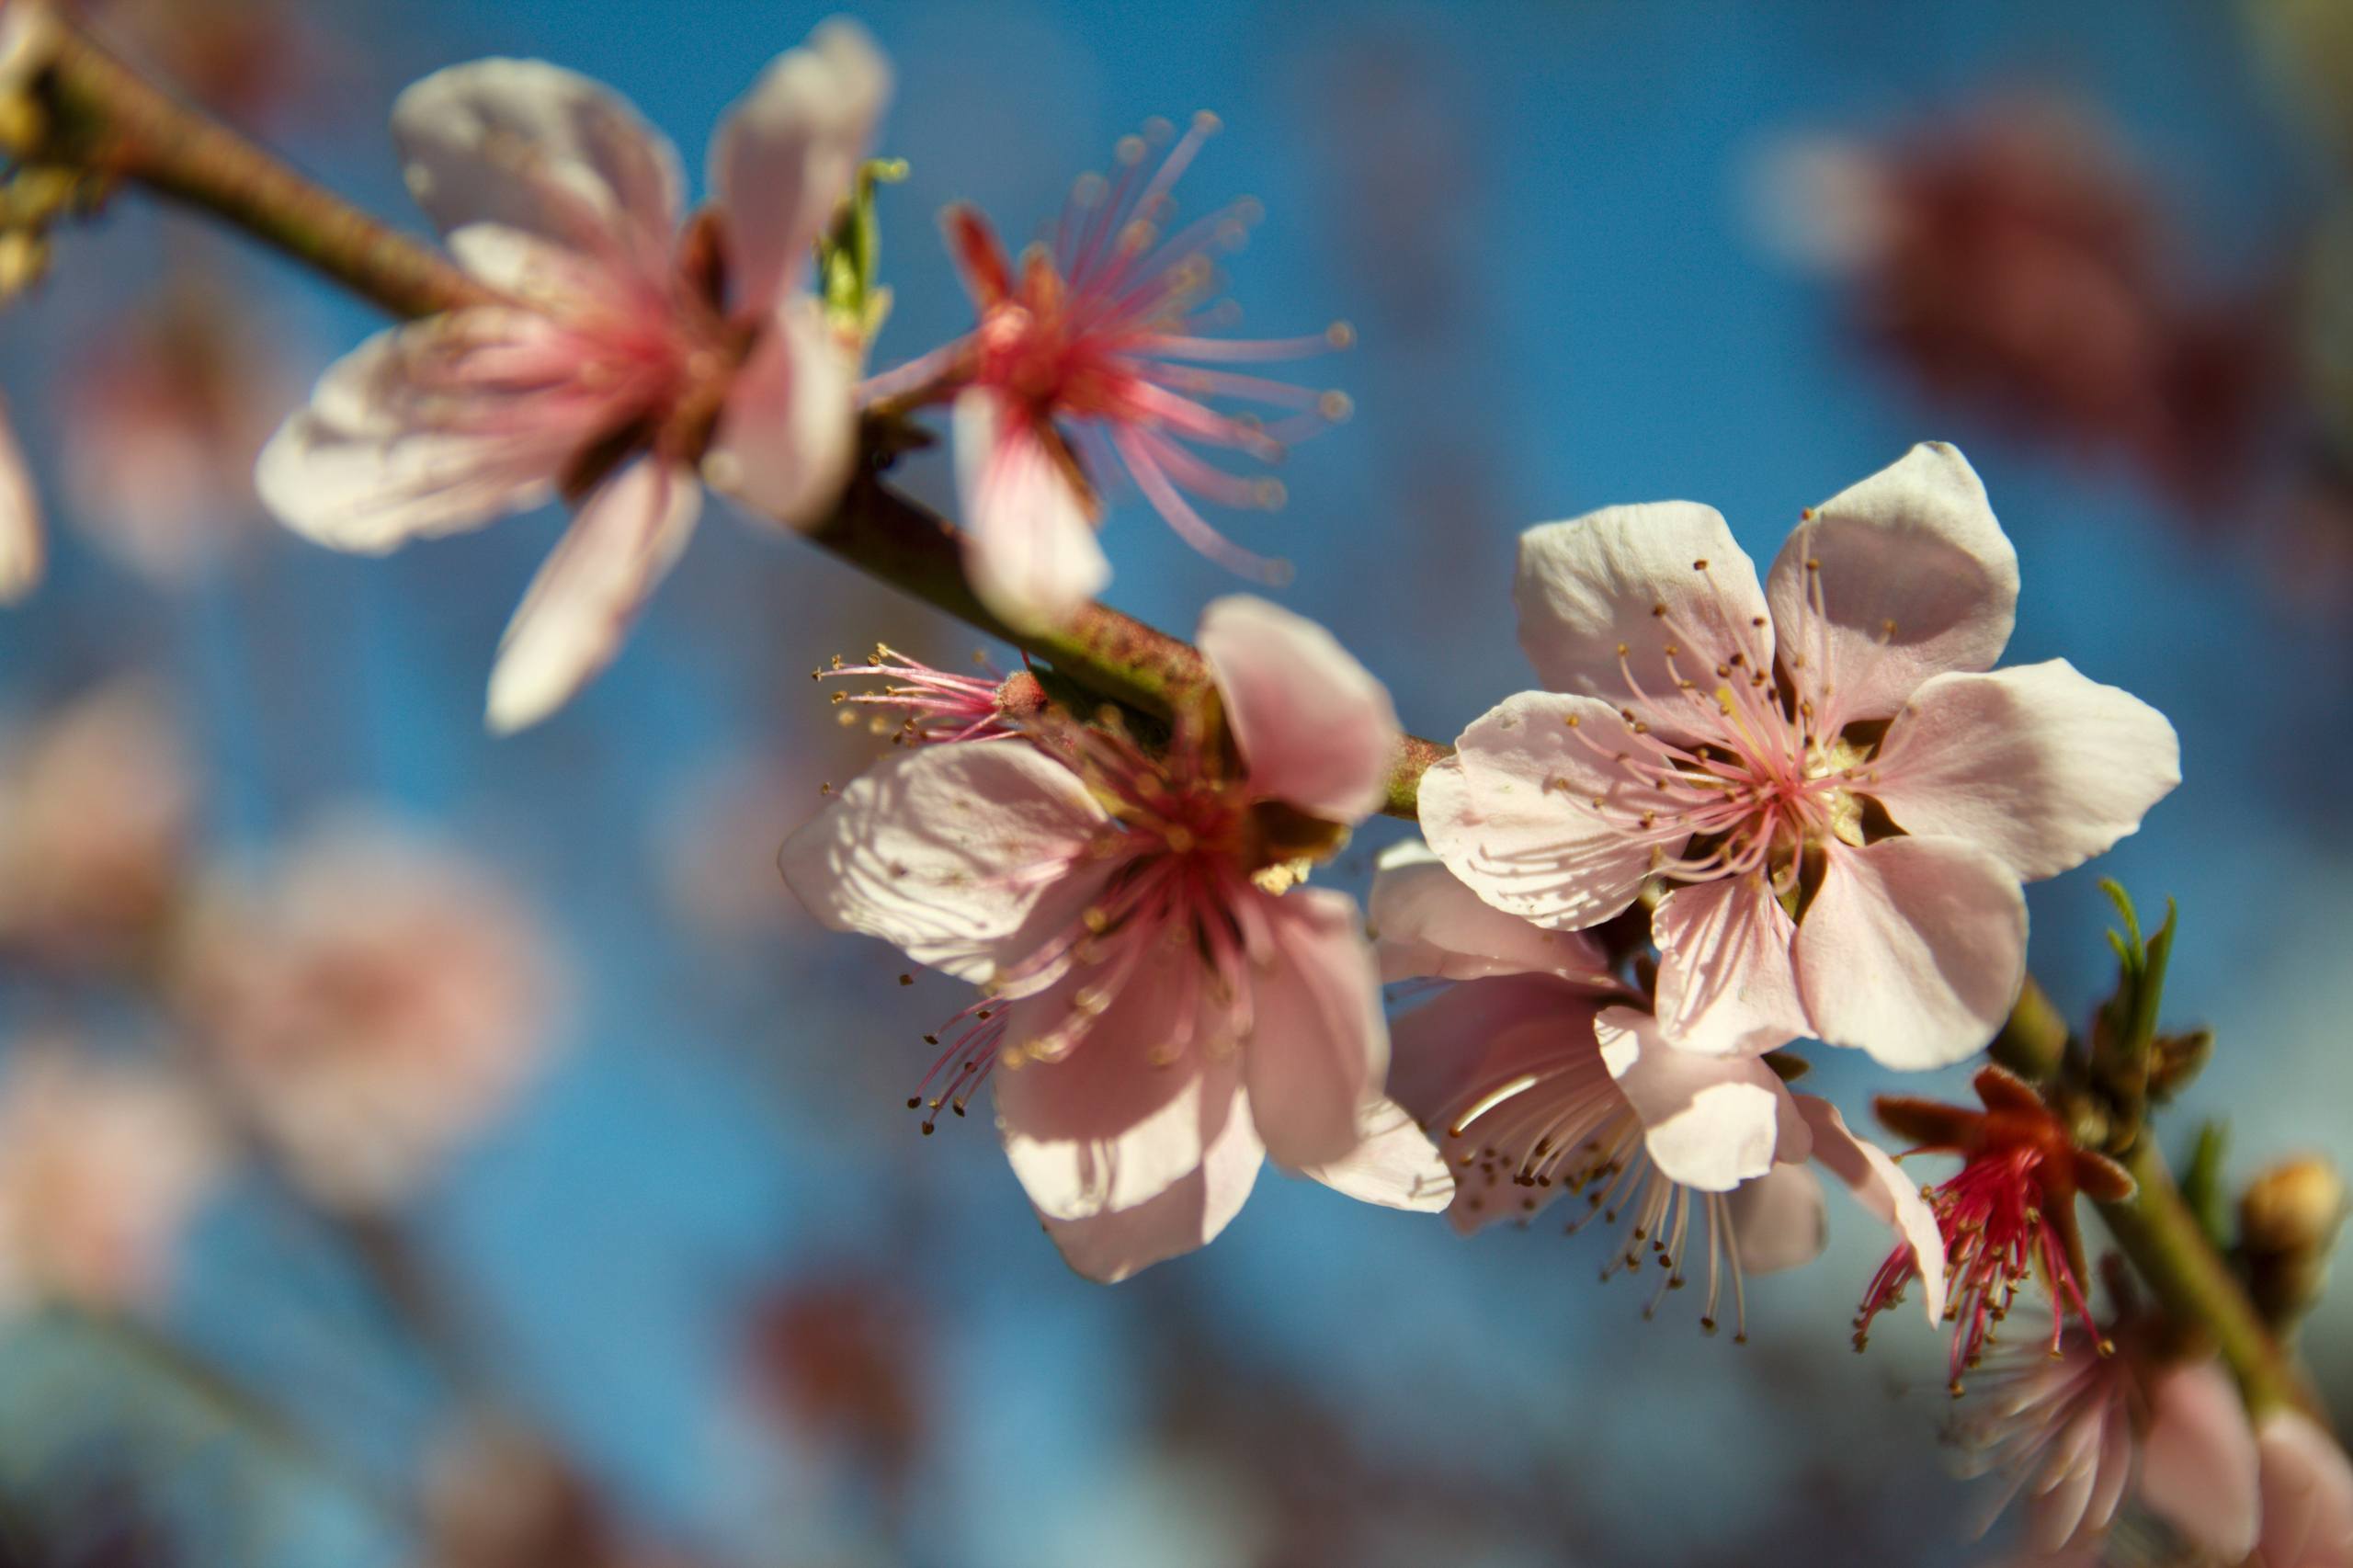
[(2170, 1249)]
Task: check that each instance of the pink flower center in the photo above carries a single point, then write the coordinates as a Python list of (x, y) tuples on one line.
[(1187, 868), (1726, 762)]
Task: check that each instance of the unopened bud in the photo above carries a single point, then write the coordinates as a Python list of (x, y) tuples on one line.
[(2289, 1218), (2175, 1061)]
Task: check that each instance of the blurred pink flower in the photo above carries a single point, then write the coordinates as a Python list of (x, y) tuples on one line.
[(101, 1166), (1537, 1069), (499, 1496), (1087, 338), (371, 1006), (2077, 1429), (623, 356), (2013, 260), (163, 414), (95, 806), (1826, 742), (2307, 1488), (1167, 1009)]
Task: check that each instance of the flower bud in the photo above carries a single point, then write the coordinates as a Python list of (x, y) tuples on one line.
[(2289, 1218)]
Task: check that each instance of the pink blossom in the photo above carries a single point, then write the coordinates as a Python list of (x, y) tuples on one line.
[(1100, 338), (1838, 802), (24, 551), (1168, 1007), (163, 415), (372, 1005), (2078, 1430), (95, 808), (2307, 1488), (622, 356), (935, 706), (1536, 1070), (101, 1166)]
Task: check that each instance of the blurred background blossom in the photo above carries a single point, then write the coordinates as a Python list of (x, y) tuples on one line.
[(576, 1218)]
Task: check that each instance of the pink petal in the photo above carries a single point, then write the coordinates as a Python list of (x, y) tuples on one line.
[(1393, 1164), (1427, 923), (1915, 578), (1725, 980), (1884, 1190), (22, 548), (963, 858), (2197, 1459), (1588, 587), (2307, 1488), (788, 435), (1472, 1039), (1710, 1122), (2035, 763), (786, 151), (401, 441), (533, 146), (1319, 1041), (1913, 950), (628, 535), (1109, 1246), (1511, 813), (1778, 1219), (1315, 729), (1028, 546), (1107, 1126)]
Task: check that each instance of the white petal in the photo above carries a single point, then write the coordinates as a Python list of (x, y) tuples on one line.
[(1913, 950), (1512, 814), (1426, 922), (940, 851), (1319, 1041), (1643, 578), (1028, 547), (1915, 578), (2307, 1494), (787, 437), (1884, 1190), (1112, 1246), (1393, 1164), (628, 535), (1726, 983), (786, 151), (2036, 764), (1315, 729), (22, 549), (1710, 1122), (414, 433), (535, 147)]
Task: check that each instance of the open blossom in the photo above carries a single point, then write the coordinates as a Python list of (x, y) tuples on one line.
[(1097, 345), (1838, 799), (1163, 1007), (101, 1166), (1538, 1078), (2009, 1215), (621, 356), (96, 802), (2077, 1429), (372, 1005), (2307, 1491), (934, 706)]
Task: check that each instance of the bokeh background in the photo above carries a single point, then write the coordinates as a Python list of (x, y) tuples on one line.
[(727, 1306)]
